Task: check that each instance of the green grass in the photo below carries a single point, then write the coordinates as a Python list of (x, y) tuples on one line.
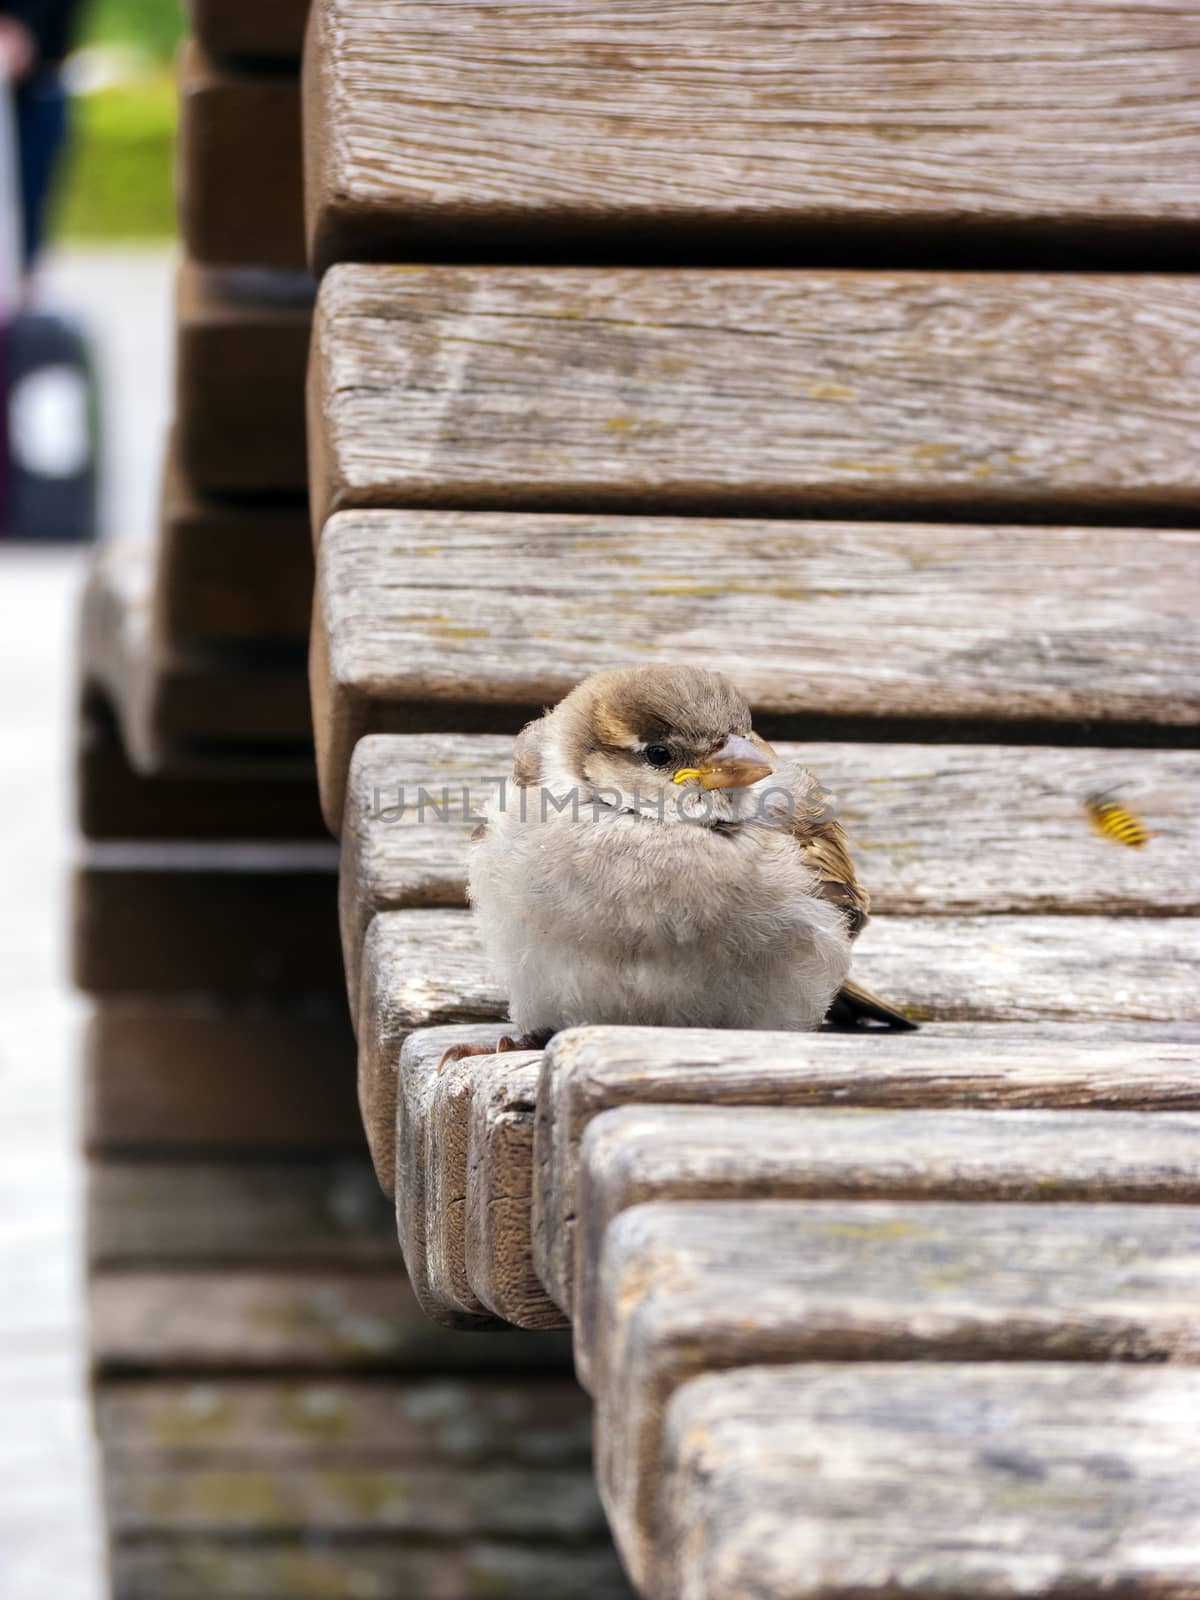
[(117, 180)]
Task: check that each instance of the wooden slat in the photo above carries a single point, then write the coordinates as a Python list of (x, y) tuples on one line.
[(322, 1212), (953, 828), (556, 127), (421, 969), (450, 1152), (263, 1421), (416, 1502), (285, 1321), (188, 1077), (231, 572), (498, 1241), (1060, 1065), (714, 1153), (816, 1482), (115, 802), (268, 30), (426, 968), (207, 1569), (211, 918), (239, 169), (179, 711), (692, 1288), (240, 358), (411, 1168), (441, 620), (723, 392)]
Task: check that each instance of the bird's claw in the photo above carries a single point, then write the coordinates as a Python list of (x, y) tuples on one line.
[(505, 1045)]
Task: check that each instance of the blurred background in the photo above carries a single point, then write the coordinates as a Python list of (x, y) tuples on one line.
[(105, 268)]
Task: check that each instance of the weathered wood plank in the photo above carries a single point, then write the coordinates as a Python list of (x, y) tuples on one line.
[(189, 1076), (425, 968), (268, 30), (231, 572), (421, 969), (828, 1481), (240, 358), (952, 828), (641, 1154), (412, 1169), (298, 1213), (113, 802), (262, 1421), (498, 1245), (525, 128), (207, 1569), (557, 1505), (239, 171), (280, 1322), (184, 710), (709, 391), (892, 631), (692, 1288), (1060, 1065), (208, 918)]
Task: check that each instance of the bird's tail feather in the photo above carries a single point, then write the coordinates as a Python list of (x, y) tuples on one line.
[(853, 1006)]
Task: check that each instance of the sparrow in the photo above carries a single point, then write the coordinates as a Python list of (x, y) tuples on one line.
[(653, 861)]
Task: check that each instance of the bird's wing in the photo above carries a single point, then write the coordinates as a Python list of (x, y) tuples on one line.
[(826, 852)]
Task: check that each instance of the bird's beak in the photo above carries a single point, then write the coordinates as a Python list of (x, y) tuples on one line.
[(736, 765)]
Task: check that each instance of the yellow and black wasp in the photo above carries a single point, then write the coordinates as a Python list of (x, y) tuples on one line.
[(1116, 822)]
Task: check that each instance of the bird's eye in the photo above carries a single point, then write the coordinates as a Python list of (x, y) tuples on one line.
[(658, 755)]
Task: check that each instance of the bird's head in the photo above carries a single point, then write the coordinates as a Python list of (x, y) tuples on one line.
[(651, 734)]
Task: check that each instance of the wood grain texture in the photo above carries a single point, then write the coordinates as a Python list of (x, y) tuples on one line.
[(828, 1481), (691, 1288), (498, 1242), (241, 352), (239, 172), (948, 828), (268, 30), (1058, 1065), (299, 1213), (184, 711), (212, 918), (181, 1078), (426, 968), (435, 620), (114, 802), (211, 1569), (208, 1321), (738, 393), (421, 969), (231, 572), (413, 1172), (527, 127), (642, 1154)]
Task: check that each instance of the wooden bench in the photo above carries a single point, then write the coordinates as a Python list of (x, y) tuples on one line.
[(231, 572), (442, 621), (240, 356), (687, 1289), (744, 127), (238, 166), (828, 1480), (180, 710), (269, 30)]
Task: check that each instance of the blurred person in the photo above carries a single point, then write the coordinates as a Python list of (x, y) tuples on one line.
[(35, 35)]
